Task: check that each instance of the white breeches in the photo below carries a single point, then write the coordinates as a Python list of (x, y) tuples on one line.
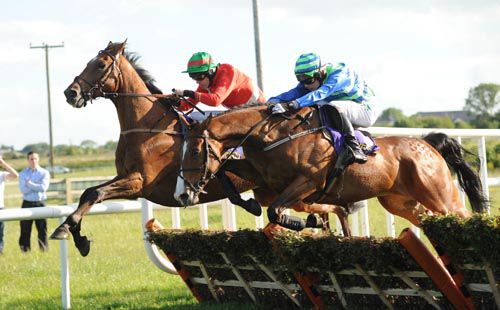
[(360, 114)]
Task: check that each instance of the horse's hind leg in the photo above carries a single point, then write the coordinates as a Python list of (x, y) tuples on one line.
[(403, 206), (117, 188), (443, 200)]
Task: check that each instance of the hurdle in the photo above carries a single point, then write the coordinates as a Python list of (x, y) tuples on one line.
[(295, 270)]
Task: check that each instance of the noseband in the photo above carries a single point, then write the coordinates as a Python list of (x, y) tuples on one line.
[(98, 85), (207, 174)]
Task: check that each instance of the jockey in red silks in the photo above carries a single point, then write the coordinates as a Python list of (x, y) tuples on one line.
[(218, 84), (221, 85)]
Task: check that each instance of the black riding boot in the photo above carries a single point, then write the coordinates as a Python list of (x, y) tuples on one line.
[(251, 205), (350, 141)]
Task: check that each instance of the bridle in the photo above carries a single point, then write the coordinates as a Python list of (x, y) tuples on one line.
[(207, 174), (98, 85)]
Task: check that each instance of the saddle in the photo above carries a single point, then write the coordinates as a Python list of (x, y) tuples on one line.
[(332, 122), (330, 119)]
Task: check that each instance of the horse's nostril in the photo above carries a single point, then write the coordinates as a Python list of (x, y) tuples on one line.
[(70, 93), (184, 197)]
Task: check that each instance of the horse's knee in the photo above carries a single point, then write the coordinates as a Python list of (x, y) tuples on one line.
[(90, 195)]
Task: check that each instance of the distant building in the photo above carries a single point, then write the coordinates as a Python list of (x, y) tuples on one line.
[(453, 115)]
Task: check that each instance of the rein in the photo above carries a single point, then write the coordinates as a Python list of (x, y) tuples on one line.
[(241, 143), (144, 130), (292, 137), (207, 175)]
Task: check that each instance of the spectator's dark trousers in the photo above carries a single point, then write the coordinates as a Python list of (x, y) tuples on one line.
[(2, 227), (41, 226)]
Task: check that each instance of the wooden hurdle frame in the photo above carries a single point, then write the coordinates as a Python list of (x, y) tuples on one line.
[(320, 289)]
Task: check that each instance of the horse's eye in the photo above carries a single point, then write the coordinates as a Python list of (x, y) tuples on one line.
[(196, 152), (101, 65)]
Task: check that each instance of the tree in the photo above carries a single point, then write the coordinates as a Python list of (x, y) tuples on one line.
[(483, 102), (41, 148), (88, 144), (390, 116), (110, 145)]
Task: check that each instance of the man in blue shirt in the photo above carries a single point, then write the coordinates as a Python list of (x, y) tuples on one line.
[(336, 85), (33, 183)]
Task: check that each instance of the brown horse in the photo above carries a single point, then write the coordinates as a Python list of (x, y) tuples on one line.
[(148, 154), (409, 176)]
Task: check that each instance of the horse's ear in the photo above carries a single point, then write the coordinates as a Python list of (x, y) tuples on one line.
[(120, 47), (116, 48)]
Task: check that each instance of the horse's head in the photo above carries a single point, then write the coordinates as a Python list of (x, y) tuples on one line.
[(100, 75), (201, 158)]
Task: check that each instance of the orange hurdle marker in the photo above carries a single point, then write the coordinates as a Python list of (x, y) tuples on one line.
[(434, 269), (454, 271)]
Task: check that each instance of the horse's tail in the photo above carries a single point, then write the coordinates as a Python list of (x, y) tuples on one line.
[(453, 154)]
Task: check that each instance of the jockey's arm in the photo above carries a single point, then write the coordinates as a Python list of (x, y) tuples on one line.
[(330, 86), (290, 95)]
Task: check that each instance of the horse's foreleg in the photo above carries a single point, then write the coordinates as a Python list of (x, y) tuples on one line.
[(126, 188), (300, 188)]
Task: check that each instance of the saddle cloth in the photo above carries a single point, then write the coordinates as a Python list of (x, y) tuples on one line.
[(336, 138)]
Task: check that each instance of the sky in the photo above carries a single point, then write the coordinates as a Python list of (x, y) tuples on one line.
[(416, 55)]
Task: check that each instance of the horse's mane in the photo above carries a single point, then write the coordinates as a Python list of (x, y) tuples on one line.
[(133, 59)]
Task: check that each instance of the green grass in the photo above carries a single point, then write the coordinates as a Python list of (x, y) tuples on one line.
[(117, 274)]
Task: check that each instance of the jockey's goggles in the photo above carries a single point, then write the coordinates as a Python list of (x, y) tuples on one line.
[(305, 79), (198, 76)]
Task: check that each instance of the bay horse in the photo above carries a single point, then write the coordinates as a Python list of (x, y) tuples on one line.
[(409, 176), (148, 154)]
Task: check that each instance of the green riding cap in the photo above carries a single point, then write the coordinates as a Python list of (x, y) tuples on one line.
[(200, 62), (307, 64)]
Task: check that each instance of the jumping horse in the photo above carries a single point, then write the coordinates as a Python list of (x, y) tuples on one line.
[(148, 154), (409, 176)]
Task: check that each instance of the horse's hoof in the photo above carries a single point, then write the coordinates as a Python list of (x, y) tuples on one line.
[(314, 221), (83, 246), (252, 206), (61, 233)]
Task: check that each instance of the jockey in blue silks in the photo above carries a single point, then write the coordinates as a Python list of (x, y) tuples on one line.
[(336, 85)]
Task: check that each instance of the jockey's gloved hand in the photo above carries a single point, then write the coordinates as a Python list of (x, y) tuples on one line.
[(183, 92), (293, 105), (170, 100), (283, 107), (279, 108)]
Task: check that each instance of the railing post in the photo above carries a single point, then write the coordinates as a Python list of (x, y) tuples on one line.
[(65, 288), (228, 215), (484, 167), (391, 228), (259, 221), (151, 249), (365, 220), (355, 224), (176, 218), (461, 192), (203, 216), (69, 189)]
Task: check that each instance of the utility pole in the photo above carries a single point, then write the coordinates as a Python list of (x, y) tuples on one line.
[(46, 47), (256, 31)]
